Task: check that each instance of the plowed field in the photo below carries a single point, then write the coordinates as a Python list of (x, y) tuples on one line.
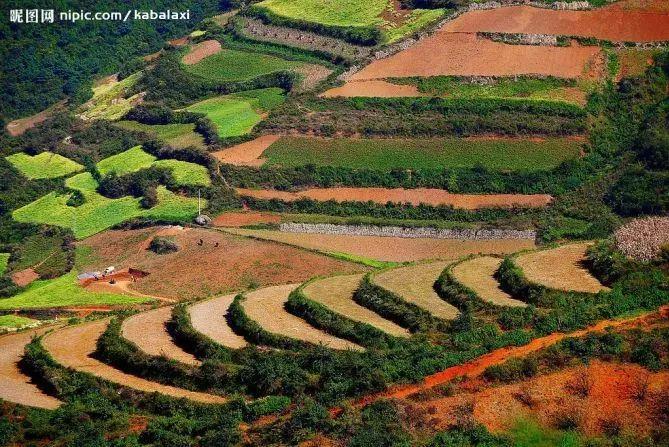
[(374, 88), (200, 51), (478, 275), (246, 154), (208, 317)]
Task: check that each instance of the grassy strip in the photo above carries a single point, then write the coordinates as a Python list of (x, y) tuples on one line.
[(420, 154), (364, 220), (363, 260), (15, 321), (320, 317), (394, 308), (185, 336), (254, 333)]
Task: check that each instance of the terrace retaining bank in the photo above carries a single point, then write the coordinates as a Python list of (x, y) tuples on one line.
[(410, 233)]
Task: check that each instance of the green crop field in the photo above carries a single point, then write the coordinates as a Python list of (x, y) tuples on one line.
[(4, 259), (131, 160), (109, 102), (43, 165), (63, 291), (98, 213), (381, 154), (418, 19), (232, 65), (176, 135), (237, 114), (550, 89), (327, 12), (186, 173), (15, 321)]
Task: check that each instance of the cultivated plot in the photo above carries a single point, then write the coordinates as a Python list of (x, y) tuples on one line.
[(44, 165), (176, 135), (478, 274), (208, 318)]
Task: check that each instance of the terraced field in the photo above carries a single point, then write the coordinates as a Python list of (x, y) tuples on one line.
[(208, 318), (478, 275), (15, 386), (73, 346), (109, 99), (336, 293), (148, 331), (224, 66), (424, 154), (415, 284), (44, 165), (248, 153), (560, 268), (126, 162), (266, 307), (176, 135)]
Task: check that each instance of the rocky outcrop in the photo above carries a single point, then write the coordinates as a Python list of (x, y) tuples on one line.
[(407, 232)]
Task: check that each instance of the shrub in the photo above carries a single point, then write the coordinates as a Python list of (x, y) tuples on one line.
[(163, 245)]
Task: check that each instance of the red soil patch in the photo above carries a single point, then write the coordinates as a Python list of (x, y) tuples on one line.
[(198, 271), (464, 54), (477, 366), (416, 196), (200, 51), (374, 89), (246, 154), (19, 126), (180, 42), (24, 277), (613, 24), (241, 219), (612, 397)]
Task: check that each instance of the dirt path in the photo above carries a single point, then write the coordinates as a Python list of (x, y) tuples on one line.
[(478, 275), (560, 268), (604, 23), (147, 330), (393, 249), (429, 196), (72, 347), (415, 284), (336, 293), (246, 154), (208, 318), (479, 365), (266, 307), (14, 385), (374, 88)]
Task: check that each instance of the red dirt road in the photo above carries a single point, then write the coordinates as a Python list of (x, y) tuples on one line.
[(14, 385), (434, 197), (464, 54), (478, 365), (615, 24)]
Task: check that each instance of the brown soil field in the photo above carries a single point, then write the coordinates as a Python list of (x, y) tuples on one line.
[(373, 88), (478, 275), (415, 284), (147, 330), (200, 51), (465, 54), (265, 307), (560, 268), (180, 42), (243, 218), (477, 366), (336, 293), (434, 197), (14, 385), (391, 249), (208, 318), (246, 154), (24, 277), (19, 126), (201, 271), (72, 347), (611, 398), (614, 24)]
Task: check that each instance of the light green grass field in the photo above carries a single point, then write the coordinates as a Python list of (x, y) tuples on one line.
[(4, 259), (63, 291), (126, 162), (551, 89), (185, 173), (43, 165), (237, 114), (98, 212), (176, 135), (108, 100), (328, 12), (386, 154), (232, 65), (15, 321)]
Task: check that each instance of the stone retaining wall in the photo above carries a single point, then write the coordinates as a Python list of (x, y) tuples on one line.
[(407, 232)]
